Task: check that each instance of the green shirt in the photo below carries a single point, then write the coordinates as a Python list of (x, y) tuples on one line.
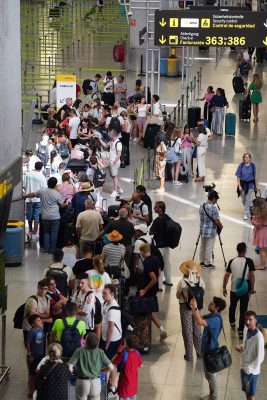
[(59, 326), (88, 363)]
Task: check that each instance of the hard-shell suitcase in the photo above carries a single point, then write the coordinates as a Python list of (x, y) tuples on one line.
[(168, 172), (193, 116), (143, 323), (244, 109), (77, 165), (238, 84), (104, 386), (150, 134), (230, 122)]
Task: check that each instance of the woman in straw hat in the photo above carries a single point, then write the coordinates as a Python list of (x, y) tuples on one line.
[(191, 331), (113, 253)]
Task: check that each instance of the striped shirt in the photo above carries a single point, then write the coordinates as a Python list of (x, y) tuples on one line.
[(113, 254)]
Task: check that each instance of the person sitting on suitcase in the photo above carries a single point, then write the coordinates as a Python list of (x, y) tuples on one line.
[(150, 282)]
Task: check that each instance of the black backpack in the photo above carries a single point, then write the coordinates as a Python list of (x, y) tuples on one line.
[(99, 177), (70, 338), (61, 279), (86, 84), (19, 314), (173, 233), (155, 252), (128, 324), (196, 292), (115, 124), (63, 150)]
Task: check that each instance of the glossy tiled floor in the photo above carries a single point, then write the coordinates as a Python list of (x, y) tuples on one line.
[(165, 374)]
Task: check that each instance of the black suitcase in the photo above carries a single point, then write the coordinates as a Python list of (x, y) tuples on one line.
[(113, 211), (108, 98), (168, 172), (238, 84), (143, 323), (193, 116), (77, 165), (260, 54), (183, 175), (150, 134), (125, 140), (244, 109)]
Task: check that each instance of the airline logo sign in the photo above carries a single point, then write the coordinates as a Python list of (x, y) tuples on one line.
[(66, 87), (211, 27)]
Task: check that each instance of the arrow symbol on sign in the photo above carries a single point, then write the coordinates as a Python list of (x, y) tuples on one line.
[(162, 40), (62, 100), (265, 41), (265, 24), (162, 22)]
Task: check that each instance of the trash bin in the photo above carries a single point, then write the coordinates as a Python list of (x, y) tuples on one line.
[(14, 243), (173, 67), (163, 66)]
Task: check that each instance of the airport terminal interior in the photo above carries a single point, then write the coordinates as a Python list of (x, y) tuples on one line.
[(81, 42)]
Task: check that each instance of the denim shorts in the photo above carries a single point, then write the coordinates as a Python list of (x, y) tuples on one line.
[(33, 211), (249, 383)]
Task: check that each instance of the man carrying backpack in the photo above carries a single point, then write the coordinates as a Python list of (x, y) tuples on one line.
[(88, 306), (62, 274), (69, 331)]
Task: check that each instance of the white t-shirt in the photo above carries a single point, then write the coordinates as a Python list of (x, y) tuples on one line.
[(141, 209), (97, 283), (203, 139), (138, 243), (34, 181), (236, 268), (114, 316), (86, 303), (157, 111), (74, 124), (32, 160), (114, 147), (109, 88)]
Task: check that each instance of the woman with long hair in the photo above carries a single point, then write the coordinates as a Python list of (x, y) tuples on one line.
[(160, 159), (175, 152), (255, 96), (98, 278), (218, 102), (66, 189), (142, 109), (246, 183), (207, 97), (187, 141), (202, 144), (259, 220)]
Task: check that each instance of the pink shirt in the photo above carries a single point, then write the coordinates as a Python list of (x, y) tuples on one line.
[(208, 96)]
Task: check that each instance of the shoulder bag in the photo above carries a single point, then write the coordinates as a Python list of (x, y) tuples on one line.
[(242, 283), (218, 359), (218, 228)]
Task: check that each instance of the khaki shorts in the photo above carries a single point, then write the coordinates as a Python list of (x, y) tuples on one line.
[(114, 169)]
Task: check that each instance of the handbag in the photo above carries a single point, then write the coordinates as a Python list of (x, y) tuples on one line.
[(218, 359), (217, 227), (242, 283), (143, 305)]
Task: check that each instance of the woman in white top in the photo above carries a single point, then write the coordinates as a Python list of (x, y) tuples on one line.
[(175, 155), (202, 144), (142, 109), (98, 278), (191, 331), (156, 110)]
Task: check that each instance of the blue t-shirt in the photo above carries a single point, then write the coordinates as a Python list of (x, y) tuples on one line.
[(36, 338), (211, 332), (219, 101), (247, 173)]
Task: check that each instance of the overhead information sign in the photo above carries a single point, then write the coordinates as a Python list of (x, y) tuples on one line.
[(221, 27)]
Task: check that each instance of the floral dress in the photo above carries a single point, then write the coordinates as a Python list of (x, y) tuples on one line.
[(160, 160)]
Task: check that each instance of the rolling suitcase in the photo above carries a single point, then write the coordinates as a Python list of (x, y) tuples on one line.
[(143, 323), (238, 85), (150, 134), (244, 109), (104, 386), (77, 165), (230, 121), (168, 172), (193, 116)]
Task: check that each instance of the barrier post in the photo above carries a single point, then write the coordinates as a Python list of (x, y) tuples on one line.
[(182, 109), (135, 178), (174, 115)]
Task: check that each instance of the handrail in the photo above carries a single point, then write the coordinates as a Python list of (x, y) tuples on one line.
[(192, 91)]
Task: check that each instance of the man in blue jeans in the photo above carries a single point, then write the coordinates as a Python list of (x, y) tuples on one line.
[(212, 324), (50, 202)]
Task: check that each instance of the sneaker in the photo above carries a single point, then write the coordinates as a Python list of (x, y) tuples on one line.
[(211, 266), (111, 394), (35, 237), (240, 334), (159, 190), (245, 217), (163, 336), (120, 191), (167, 284), (113, 194), (232, 324), (177, 183), (174, 182), (135, 139), (207, 397), (203, 265)]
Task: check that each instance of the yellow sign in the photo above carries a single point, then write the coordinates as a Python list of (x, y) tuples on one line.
[(265, 41), (162, 22), (162, 40), (66, 78), (173, 40), (174, 22), (205, 23), (5, 187)]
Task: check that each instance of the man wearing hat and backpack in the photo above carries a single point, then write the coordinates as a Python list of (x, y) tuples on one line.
[(114, 253)]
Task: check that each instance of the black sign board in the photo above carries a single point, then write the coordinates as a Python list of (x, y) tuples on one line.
[(216, 27)]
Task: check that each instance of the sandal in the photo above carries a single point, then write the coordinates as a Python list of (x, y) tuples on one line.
[(260, 268), (198, 180)]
